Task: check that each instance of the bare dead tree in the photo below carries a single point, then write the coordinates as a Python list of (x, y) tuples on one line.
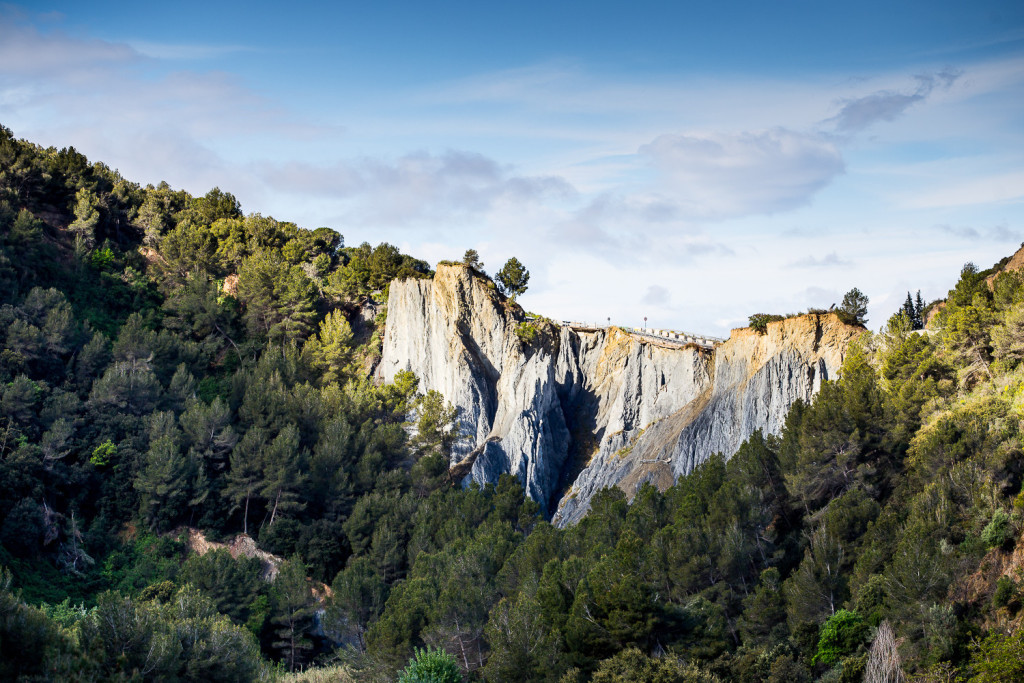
[(884, 658)]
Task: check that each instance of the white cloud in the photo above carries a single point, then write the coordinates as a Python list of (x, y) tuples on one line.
[(420, 185), (26, 52), (722, 175)]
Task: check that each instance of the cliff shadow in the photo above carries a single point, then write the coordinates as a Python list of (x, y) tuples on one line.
[(579, 410), (489, 374)]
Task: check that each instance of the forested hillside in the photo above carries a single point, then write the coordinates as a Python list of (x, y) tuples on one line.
[(170, 362)]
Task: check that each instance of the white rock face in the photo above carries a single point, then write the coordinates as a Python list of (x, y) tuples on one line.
[(574, 411)]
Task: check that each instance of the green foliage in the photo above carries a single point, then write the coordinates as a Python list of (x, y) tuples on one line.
[(102, 454), (633, 666), (370, 269), (913, 310), (472, 259), (759, 321), (437, 425), (332, 349), (854, 308), (998, 531), (161, 639), (146, 561), (512, 279), (998, 658), (102, 259), (431, 666), (292, 611), (841, 636), (32, 646), (1006, 592), (233, 585), (526, 332)]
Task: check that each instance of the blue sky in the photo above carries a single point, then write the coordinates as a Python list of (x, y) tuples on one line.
[(689, 162)]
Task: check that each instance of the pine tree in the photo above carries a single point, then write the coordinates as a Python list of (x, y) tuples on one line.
[(86, 217), (914, 310), (244, 477), (164, 484), (293, 611), (909, 310), (513, 278), (854, 309), (283, 473), (331, 349)]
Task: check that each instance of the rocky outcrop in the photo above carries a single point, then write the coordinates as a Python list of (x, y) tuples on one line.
[(573, 411), (756, 379)]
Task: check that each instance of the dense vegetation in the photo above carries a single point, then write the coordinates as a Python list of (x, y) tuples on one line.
[(171, 363)]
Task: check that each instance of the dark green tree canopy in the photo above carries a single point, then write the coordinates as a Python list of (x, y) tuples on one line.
[(513, 278), (854, 309), (472, 259)]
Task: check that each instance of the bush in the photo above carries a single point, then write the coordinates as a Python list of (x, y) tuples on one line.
[(102, 454), (431, 666), (841, 635), (998, 531), (1005, 593), (526, 332), (759, 321)]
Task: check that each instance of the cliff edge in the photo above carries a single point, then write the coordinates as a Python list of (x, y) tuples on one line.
[(573, 411)]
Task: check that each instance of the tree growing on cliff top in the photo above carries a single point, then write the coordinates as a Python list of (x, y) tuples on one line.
[(472, 259), (512, 278), (854, 309)]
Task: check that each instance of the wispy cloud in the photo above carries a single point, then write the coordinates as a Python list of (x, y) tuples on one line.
[(997, 233), (830, 260), (858, 114), (185, 52), (656, 295)]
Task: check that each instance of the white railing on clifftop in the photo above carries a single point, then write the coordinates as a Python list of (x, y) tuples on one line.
[(671, 336)]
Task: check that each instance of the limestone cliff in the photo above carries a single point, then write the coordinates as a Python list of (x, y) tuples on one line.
[(577, 410)]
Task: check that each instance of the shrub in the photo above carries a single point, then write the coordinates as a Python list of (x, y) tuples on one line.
[(1005, 593), (998, 531), (103, 453), (102, 259), (431, 666), (526, 332), (759, 321)]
